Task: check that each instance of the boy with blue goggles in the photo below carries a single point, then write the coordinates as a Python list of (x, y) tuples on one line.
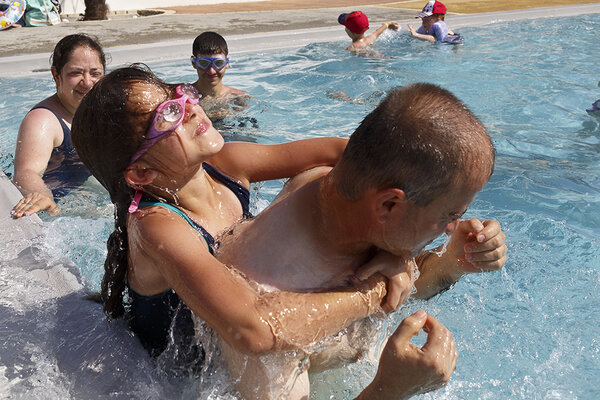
[(204, 63), (210, 60)]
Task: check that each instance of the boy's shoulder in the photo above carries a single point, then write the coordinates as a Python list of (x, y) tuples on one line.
[(235, 92)]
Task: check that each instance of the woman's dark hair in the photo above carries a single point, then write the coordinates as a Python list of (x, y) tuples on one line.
[(209, 43), (107, 130), (65, 47)]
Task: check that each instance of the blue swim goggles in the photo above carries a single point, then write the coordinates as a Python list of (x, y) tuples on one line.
[(205, 63)]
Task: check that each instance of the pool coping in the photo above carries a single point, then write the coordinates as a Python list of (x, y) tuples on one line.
[(21, 231)]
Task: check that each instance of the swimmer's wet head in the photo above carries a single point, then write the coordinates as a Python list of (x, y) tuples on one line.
[(356, 23), (108, 129), (167, 117), (210, 50)]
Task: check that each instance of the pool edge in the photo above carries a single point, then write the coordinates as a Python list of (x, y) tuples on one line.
[(268, 41)]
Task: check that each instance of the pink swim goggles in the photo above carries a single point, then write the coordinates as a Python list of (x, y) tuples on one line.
[(167, 117)]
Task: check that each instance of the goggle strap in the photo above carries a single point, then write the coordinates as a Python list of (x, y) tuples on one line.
[(135, 202)]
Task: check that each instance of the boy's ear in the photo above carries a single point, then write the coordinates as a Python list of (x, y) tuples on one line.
[(135, 175), (389, 203)]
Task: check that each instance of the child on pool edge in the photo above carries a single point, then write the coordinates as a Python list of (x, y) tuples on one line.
[(434, 28), (357, 24)]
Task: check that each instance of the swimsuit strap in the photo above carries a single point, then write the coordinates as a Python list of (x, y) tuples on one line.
[(210, 241), (66, 143), (242, 193)]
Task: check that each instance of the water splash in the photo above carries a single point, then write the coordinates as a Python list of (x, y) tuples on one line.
[(441, 251)]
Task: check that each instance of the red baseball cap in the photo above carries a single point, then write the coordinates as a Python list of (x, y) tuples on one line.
[(433, 7), (356, 21)]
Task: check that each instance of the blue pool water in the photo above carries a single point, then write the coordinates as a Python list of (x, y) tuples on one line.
[(530, 331)]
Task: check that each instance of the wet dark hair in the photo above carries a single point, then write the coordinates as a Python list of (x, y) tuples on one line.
[(107, 130), (209, 43), (65, 47), (420, 139)]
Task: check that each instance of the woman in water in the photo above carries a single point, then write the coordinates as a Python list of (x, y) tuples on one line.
[(46, 164)]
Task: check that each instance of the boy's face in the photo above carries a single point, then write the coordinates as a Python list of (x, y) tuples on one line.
[(428, 21), (211, 75)]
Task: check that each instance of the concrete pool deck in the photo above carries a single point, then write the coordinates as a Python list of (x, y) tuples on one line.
[(169, 35)]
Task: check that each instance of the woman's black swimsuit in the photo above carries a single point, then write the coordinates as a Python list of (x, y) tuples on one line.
[(65, 170), (154, 318)]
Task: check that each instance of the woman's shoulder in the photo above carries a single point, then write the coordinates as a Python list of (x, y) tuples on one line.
[(43, 120), (48, 105), (47, 110)]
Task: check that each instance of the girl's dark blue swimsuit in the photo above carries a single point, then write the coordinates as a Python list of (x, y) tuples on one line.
[(154, 318)]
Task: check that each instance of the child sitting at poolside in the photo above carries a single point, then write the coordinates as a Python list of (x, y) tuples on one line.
[(357, 24), (210, 59), (434, 29)]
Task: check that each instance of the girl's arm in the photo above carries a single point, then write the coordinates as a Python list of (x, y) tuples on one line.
[(251, 162), (38, 134), (248, 321), (475, 246)]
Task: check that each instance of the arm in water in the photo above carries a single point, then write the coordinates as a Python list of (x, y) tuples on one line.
[(406, 370), (249, 321), (475, 246), (39, 133)]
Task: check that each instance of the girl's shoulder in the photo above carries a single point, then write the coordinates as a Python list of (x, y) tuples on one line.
[(159, 224)]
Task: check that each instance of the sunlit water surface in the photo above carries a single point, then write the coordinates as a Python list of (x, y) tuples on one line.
[(530, 331)]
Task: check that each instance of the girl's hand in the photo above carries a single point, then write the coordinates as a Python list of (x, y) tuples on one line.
[(479, 246), (399, 272)]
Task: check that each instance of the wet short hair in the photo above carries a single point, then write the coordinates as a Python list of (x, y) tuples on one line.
[(65, 47), (209, 43), (420, 139)]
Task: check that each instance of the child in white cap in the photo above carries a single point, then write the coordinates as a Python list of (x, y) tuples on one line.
[(357, 24), (434, 29)]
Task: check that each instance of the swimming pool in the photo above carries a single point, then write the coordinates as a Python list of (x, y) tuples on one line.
[(530, 331)]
